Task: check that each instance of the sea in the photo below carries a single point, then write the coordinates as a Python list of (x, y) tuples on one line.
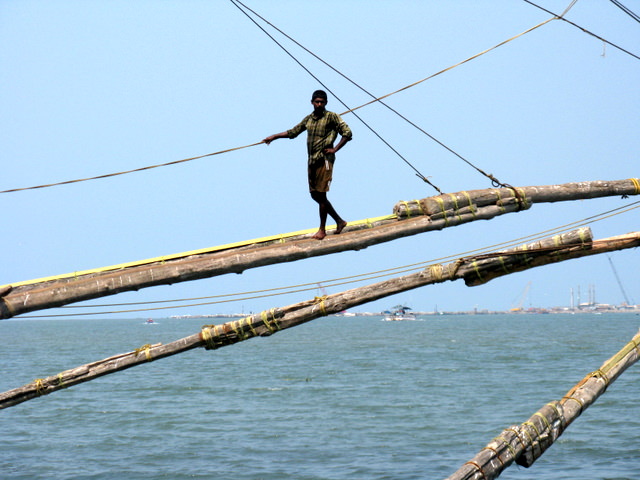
[(337, 398)]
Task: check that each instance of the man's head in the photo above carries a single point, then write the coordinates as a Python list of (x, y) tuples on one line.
[(319, 94), (319, 101)]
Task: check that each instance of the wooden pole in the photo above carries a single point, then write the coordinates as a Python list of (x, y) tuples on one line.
[(436, 213), (274, 320), (526, 442), (523, 195)]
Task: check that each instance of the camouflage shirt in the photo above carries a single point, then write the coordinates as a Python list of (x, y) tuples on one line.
[(321, 133)]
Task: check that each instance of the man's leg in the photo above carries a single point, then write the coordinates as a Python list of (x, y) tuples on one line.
[(325, 208)]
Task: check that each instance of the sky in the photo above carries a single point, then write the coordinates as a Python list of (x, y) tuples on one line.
[(91, 88)]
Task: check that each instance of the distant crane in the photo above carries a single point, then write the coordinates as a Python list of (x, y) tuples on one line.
[(517, 307), (615, 272)]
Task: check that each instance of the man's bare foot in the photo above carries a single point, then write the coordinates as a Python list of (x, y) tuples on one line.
[(340, 227), (320, 234)]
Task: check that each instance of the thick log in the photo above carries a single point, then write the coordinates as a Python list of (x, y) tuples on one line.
[(548, 255), (523, 195), (486, 205), (271, 321), (493, 265), (28, 298), (526, 442)]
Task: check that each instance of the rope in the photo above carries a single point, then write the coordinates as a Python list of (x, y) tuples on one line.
[(129, 171), (494, 181), (378, 99)]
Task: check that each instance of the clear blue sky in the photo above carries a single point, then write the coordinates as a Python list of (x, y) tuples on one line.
[(90, 88)]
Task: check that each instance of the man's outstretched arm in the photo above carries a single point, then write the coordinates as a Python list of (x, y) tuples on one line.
[(271, 138)]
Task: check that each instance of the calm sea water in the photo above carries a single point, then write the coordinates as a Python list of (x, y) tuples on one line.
[(338, 398)]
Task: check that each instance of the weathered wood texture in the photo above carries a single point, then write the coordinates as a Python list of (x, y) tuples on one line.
[(526, 442), (484, 205), (271, 321), (524, 196)]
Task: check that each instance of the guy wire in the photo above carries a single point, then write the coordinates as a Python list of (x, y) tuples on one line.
[(626, 10), (584, 30)]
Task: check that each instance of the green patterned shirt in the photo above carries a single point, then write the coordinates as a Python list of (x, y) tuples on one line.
[(321, 133)]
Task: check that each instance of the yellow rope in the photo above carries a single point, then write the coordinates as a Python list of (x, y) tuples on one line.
[(532, 425), (636, 183), (495, 452), (602, 375), (508, 445), (320, 301), (205, 335), (604, 370), (407, 210), (476, 269), (471, 207), (248, 321), (555, 406), (504, 266), (517, 434), (544, 419), (499, 203), (436, 271), (526, 432), (471, 462), (575, 399), (456, 208), (40, 388), (272, 326), (147, 351), (440, 202)]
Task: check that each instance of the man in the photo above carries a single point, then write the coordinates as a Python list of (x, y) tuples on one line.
[(322, 129)]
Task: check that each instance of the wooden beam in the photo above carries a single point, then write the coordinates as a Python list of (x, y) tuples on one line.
[(525, 443), (272, 321), (436, 213)]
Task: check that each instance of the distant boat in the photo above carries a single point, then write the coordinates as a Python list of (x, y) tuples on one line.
[(149, 321), (399, 312)]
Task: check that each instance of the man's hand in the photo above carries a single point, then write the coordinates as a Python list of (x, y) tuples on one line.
[(334, 150), (271, 138)]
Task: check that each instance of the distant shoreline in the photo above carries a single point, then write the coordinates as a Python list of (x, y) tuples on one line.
[(594, 310)]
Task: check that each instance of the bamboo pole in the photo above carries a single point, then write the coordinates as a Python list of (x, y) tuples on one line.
[(271, 321), (526, 442), (437, 213)]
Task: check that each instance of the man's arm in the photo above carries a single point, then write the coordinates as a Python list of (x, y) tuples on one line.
[(271, 138), (341, 143), (345, 135)]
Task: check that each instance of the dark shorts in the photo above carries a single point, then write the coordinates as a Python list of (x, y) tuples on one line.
[(320, 177)]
